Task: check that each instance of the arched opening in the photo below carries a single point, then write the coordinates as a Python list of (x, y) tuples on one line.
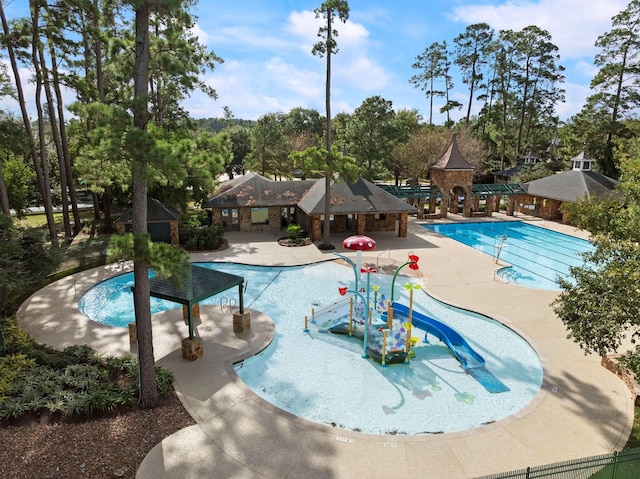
[(458, 200)]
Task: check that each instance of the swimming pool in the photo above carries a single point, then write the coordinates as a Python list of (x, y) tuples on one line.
[(323, 378), (538, 256)]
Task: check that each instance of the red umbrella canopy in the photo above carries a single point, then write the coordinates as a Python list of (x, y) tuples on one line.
[(359, 243)]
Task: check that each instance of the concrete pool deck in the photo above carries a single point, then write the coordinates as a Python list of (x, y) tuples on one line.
[(581, 410)]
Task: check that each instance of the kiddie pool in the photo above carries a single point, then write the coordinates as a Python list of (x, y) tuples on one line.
[(323, 377)]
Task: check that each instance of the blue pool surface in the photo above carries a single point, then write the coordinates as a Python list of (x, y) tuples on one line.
[(537, 256), (323, 377)]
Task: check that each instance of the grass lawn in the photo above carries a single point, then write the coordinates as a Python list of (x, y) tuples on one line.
[(86, 247)]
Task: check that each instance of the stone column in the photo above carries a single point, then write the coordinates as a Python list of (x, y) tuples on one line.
[(420, 207), (192, 349), (241, 321), (362, 224), (403, 224), (444, 205), (432, 204), (489, 205)]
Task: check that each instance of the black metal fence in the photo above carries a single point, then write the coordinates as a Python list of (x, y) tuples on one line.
[(617, 465)]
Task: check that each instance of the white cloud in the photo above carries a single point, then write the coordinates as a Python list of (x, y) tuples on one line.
[(251, 89), (573, 24), (575, 97), (305, 25), (355, 68), (288, 77)]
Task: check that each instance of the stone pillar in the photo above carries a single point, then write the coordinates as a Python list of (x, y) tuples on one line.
[(402, 225), (420, 207), (444, 205), (466, 206), (489, 205), (192, 349), (511, 202), (362, 224), (432, 204), (241, 321), (316, 228), (496, 203)]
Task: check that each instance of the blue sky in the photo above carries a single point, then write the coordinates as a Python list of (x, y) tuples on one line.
[(268, 66)]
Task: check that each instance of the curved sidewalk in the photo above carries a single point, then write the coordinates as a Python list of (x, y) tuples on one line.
[(581, 410)]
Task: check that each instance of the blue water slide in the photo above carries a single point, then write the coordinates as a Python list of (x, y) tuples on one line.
[(468, 357), (472, 362)]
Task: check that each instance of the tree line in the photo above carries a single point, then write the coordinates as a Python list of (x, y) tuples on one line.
[(86, 47)]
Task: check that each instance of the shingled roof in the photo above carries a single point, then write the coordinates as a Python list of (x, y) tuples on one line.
[(452, 158), (256, 190), (353, 198), (570, 186), (156, 212)]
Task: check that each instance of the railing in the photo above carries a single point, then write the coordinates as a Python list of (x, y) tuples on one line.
[(617, 465), (380, 254), (327, 309), (498, 245)]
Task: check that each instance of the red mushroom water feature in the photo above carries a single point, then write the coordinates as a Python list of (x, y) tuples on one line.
[(359, 243)]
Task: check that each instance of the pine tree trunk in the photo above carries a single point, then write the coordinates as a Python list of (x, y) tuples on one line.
[(4, 195), (55, 133), (141, 300), (326, 233), (41, 160), (66, 157), (27, 124)]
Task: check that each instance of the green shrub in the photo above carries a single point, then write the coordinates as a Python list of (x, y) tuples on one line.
[(164, 379), (631, 362), (201, 237), (11, 370), (70, 382), (16, 340), (295, 233)]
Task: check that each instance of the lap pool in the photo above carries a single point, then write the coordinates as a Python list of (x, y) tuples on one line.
[(537, 256), (323, 377)]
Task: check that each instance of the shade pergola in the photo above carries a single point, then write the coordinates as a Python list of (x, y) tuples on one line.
[(199, 284)]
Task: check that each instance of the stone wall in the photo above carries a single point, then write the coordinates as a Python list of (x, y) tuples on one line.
[(388, 223), (611, 363), (540, 207)]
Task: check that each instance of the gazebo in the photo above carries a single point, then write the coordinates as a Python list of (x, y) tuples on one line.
[(200, 283)]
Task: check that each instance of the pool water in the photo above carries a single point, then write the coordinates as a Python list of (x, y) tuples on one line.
[(537, 256), (323, 377)]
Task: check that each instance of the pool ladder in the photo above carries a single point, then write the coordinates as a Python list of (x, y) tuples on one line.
[(498, 245)]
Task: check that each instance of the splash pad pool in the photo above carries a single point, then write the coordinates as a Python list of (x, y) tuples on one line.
[(323, 378)]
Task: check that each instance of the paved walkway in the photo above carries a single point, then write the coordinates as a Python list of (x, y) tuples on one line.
[(581, 410)]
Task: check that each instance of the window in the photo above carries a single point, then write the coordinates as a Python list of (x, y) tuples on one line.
[(259, 216)]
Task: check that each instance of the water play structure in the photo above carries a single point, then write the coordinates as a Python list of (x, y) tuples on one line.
[(386, 327)]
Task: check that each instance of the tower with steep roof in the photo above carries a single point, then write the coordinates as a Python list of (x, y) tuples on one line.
[(453, 174)]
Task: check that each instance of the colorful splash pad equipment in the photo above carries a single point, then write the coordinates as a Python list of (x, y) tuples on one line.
[(382, 340), (389, 341)]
